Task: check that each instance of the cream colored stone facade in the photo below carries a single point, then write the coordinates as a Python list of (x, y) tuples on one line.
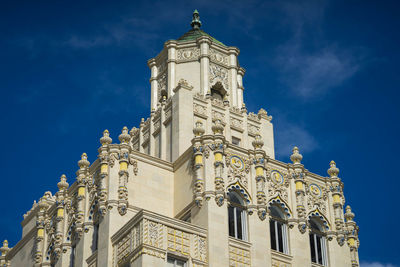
[(163, 190)]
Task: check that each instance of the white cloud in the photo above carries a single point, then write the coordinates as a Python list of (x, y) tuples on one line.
[(376, 264), (308, 65), (290, 135), (314, 74)]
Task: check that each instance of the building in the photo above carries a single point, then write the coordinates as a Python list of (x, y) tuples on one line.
[(197, 184)]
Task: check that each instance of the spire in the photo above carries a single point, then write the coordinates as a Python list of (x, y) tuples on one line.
[(196, 23)]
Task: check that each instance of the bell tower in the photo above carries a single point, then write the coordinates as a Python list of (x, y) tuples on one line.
[(198, 66), (204, 62)]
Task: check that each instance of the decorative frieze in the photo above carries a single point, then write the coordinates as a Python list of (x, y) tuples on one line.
[(187, 54), (218, 57), (253, 129), (236, 124), (200, 110)]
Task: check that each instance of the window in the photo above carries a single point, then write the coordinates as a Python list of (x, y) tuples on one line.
[(173, 262), (278, 230), (237, 217), (317, 243), (216, 94), (95, 240), (235, 141), (218, 91)]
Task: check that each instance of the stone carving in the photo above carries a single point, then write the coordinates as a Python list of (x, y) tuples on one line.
[(113, 157), (278, 184), (218, 57), (262, 113), (316, 196), (218, 116), (253, 130), (162, 84), (152, 233), (162, 67), (178, 241), (238, 168), (236, 110), (134, 164), (218, 103), (236, 123), (168, 113), (200, 248), (218, 74), (200, 97), (239, 257), (188, 54), (252, 116), (200, 110)]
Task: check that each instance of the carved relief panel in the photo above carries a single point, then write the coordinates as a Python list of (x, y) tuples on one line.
[(218, 74), (316, 196), (278, 184), (188, 54)]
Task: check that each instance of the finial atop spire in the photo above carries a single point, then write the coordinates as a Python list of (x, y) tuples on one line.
[(83, 163), (349, 215), (296, 157), (105, 139), (333, 171), (62, 184), (196, 23)]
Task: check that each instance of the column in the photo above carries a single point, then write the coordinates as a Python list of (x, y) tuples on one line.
[(153, 83), (204, 43), (233, 53), (171, 46)]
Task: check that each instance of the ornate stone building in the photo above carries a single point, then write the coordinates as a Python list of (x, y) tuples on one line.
[(197, 184)]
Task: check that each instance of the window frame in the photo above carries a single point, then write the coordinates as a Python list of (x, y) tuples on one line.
[(243, 217), (236, 141), (316, 234), (175, 259), (275, 221)]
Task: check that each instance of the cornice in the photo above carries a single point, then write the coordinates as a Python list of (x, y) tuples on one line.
[(139, 156)]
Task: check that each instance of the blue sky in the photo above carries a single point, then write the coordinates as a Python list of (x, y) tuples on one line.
[(327, 71)]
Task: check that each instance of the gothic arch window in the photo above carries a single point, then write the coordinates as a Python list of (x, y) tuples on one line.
[(278, 230), (317, 241), (237, 216)]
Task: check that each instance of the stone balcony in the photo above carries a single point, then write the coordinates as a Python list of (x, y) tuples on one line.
[(154, 235)]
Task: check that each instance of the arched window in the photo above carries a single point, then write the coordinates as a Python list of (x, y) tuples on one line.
[(218, 91), (278, 230), (237, 216), (317, 242)]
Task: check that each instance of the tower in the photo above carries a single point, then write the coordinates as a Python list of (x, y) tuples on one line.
[(196, 184)]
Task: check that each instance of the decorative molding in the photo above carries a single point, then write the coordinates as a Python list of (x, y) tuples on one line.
[(187, 54)]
